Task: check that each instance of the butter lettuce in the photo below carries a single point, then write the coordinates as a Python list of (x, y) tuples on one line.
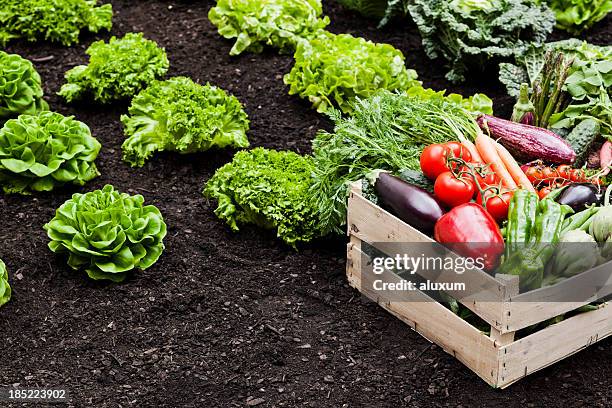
[(5, 288), (44, 151), (277, 23), (266, 188), (107, 233), (52, 20), (333, 70), (182, 116), (117, 70), (20, 87), (576, 16)]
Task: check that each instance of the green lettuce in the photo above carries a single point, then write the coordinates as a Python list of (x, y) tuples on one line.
[(266, 188), (52, 20), (20, 87), (333, 70), (107, 233), (278, 23), (469, 33), (182, 116), (44, 151), (477, 103), (5, 288), (118, 69), (578, 15)]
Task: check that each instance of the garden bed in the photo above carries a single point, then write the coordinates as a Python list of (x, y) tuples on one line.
[(223, 318)]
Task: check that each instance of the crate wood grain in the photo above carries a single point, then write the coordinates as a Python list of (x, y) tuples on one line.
[(497, 358)]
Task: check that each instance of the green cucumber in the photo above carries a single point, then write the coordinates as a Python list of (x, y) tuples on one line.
[(581, 138), (416, 178)]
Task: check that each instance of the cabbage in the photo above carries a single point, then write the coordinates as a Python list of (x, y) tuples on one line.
[(20, 87)]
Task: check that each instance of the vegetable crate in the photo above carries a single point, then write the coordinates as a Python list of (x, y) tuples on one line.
[(498, 358)]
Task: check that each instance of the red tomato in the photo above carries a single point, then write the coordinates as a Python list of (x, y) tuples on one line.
[(534, 174), (544, 192), (565, 171), (576, 175), (459, 151), (434, 157), (549, 174), (453, 191), (488, 180), (496, 204)]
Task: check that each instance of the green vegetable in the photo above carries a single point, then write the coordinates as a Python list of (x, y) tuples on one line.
[(118, 69), (478, 103), (5, 288), (182, 116), (601, 226), (469, 33), (578, 220), (522, 212), (20, 87), (582, 137), (41, 152), (278, 23), (523, 106), (333, 70), (107, 233), (416, 178), (577, 252), (384, 10), (578, 15), (53, 20), (266, 188), (387, 131)]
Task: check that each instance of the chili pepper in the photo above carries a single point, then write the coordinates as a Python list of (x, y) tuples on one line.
[(521, 215), (577, 220)]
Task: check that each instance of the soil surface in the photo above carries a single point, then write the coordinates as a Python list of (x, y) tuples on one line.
[(232, 319)]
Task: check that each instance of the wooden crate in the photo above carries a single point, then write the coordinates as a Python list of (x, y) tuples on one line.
[(497, 358)]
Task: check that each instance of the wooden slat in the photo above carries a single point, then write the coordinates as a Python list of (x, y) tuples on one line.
[(553, 343), (374, 225), (429, 318), (539, 305)]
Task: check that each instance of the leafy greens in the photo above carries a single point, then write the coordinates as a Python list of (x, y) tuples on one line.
[(20, 87), (41, 152), (266, 188), (180, 115), (52, 20), (107, 233), (332, 70), (468, 33), (578, 15), (384, 10), (5, 288), (117, 70), (278, 23)]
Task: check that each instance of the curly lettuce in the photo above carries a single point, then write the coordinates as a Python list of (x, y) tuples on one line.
[(277, 23), (333, 70), (469, 33), (5, 288), (266, 188), (477, 103), (117, 70), (52, 20), (182, 116), (576, 16), (20, 87), (44, 151), (107, 233)]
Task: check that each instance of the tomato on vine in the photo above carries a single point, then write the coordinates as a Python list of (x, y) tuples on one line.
[(434, 159), (452, 190), (496, 203)]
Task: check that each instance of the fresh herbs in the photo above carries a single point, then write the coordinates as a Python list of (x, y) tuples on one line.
[(180, 115), (387, 131), (332, 70), (469, 33), (5, 288), (278, 23), (107, 233), (117, 70), (41, 152), (267, 188), (20, 87), (52, 20)]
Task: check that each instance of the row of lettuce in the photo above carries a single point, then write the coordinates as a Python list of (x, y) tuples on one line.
[(383, 119)]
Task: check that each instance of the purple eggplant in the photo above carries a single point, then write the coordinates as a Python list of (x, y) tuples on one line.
[(409, 203), (528, 142), (579, 196)]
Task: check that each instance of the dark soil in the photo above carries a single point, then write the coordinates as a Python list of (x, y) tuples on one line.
[(232, 319)]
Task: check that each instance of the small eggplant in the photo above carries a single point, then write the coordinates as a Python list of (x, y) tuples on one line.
[(579, 196), (409, 203)]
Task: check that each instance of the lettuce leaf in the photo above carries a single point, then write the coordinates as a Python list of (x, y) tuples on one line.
[(182, 116), (52, 20), (470, 33), (277, 23), (576, 16), (5, 288), (20, 87), (117, 70), (266, 188), (41, 152), (333, 70)]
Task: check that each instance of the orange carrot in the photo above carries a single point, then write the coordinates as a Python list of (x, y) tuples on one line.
[(488, 152), (473, 151), (512, 166)]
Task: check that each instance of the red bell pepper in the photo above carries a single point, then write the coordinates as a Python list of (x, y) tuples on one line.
[(470, 231)]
